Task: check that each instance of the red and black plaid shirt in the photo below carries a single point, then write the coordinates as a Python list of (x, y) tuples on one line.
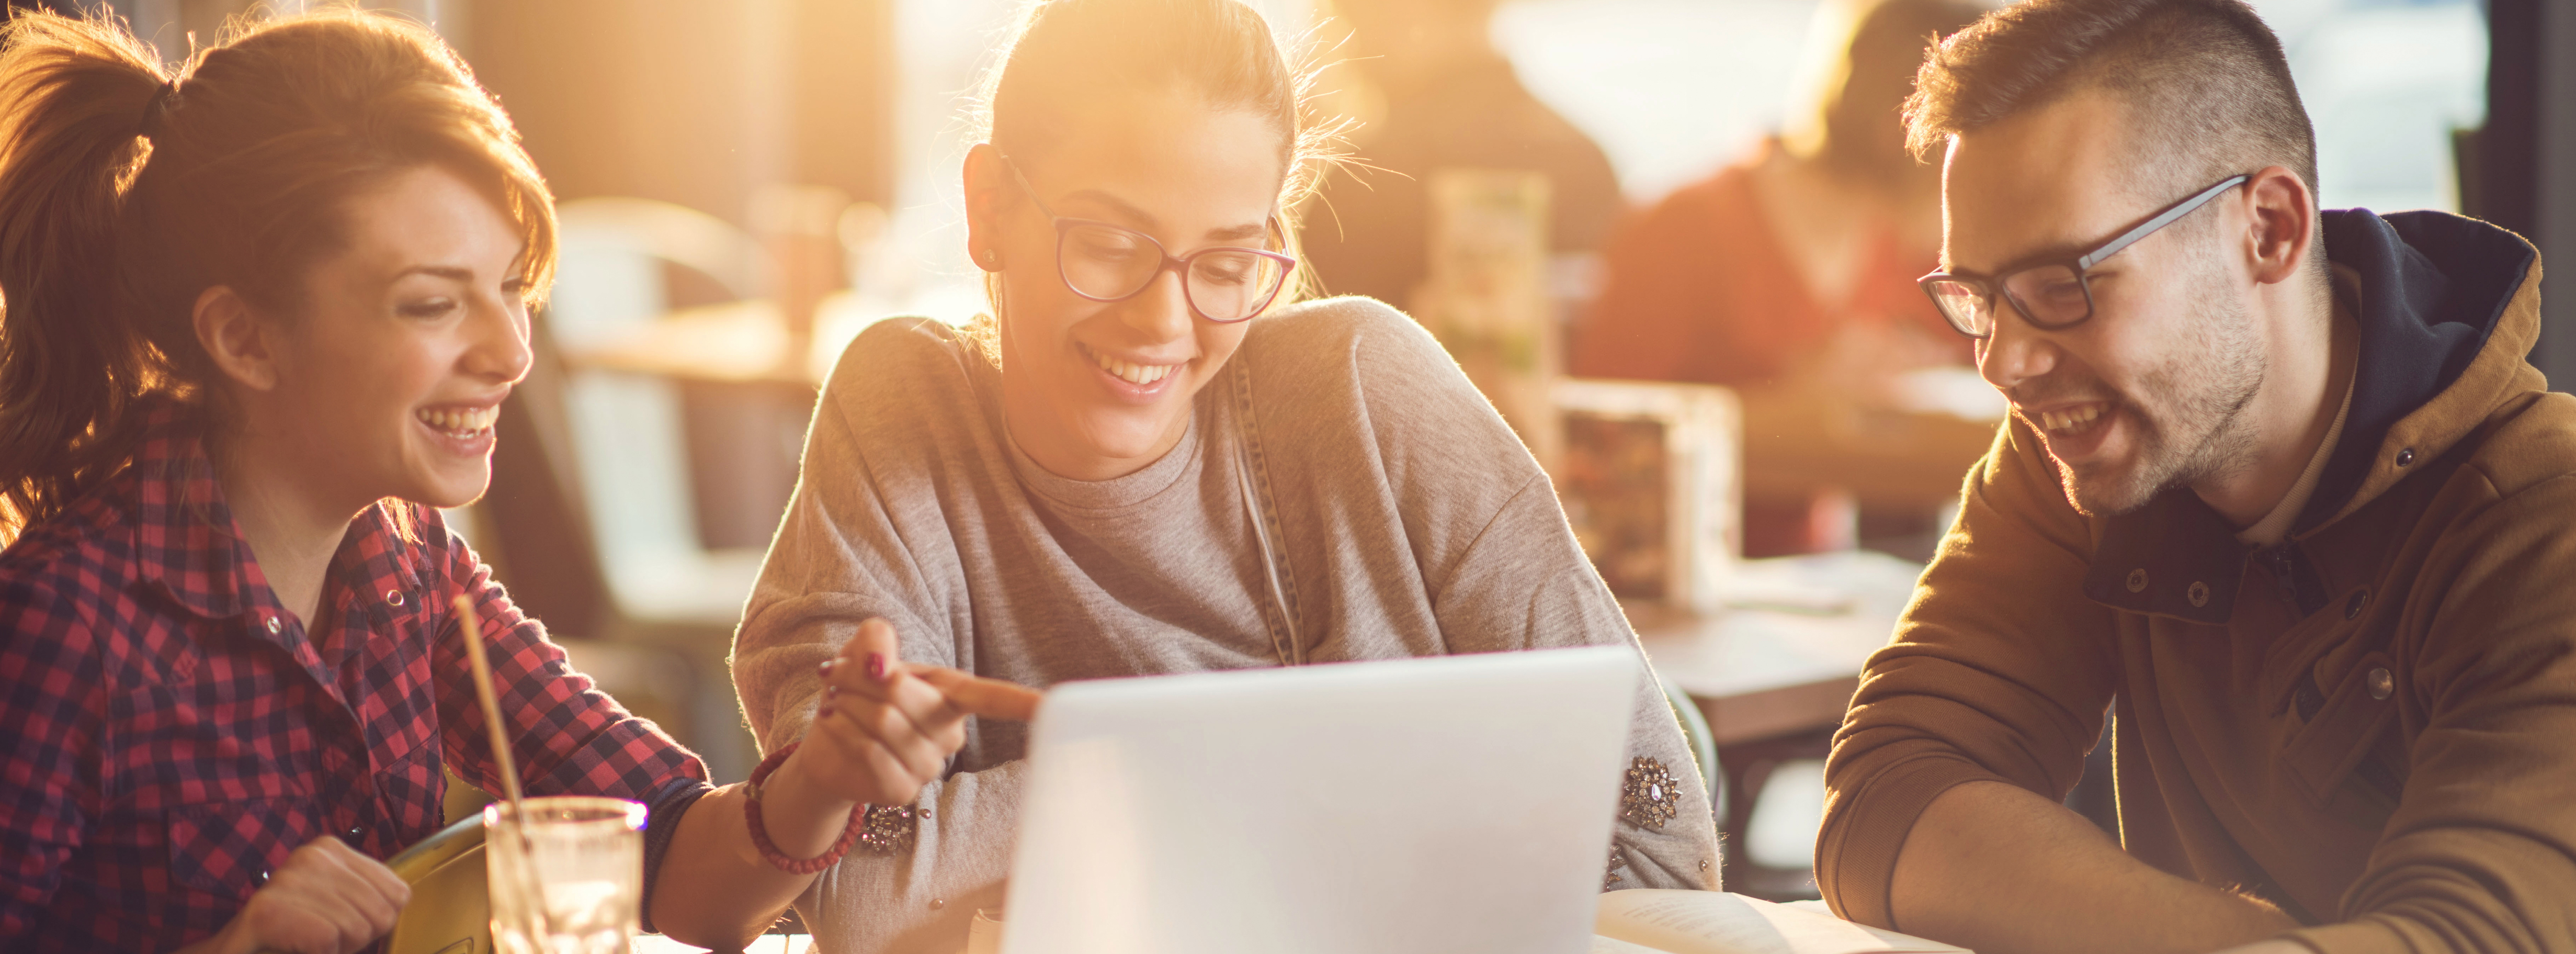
[(168, 733)]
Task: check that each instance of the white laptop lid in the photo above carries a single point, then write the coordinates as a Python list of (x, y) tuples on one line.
[(1459, 803)]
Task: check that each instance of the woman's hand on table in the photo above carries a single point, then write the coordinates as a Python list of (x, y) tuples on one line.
[(326, 899), (886, 728)]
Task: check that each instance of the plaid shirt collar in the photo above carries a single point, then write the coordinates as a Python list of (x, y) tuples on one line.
[(188, 546)]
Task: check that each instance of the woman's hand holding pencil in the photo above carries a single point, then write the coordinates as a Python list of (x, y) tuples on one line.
[(886, 728)]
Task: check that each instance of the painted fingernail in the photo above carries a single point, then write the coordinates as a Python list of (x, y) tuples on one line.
[(876, 666)]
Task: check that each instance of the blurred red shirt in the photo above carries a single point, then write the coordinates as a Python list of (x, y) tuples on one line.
[(1700, 289)]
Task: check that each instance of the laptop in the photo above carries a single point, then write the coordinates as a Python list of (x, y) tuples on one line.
[(1450, 804)]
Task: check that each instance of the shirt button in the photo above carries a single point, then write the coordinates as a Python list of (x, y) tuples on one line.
[(2137, 579), (2382, 685), (2199, 593), (263, 876), (1703, 864), (2405, 457), (274, 627), (937, 903), (393, 597), (357, 832)]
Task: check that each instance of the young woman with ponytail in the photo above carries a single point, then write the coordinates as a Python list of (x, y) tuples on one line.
[(256, 318), (1152, 458)]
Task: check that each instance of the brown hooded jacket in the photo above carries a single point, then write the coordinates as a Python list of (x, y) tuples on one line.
[(2372, 724)]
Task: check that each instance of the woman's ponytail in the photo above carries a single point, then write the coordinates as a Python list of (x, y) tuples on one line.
[(74, 94)]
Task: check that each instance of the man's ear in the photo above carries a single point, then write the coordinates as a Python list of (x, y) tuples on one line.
[(233, 334), (988, 195), (2284, 213)]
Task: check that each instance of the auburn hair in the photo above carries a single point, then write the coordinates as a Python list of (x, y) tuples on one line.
[(127, 190), (1063, 51)]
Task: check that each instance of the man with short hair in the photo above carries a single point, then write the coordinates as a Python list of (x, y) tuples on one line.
[(2279, 489)]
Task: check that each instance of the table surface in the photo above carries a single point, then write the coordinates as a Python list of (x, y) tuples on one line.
[(1788, 653), (733, 342)]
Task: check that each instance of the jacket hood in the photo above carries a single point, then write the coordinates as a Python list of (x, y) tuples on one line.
[(2436, 291), (2448, 309)]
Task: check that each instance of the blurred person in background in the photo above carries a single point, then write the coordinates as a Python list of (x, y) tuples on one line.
[(1152, 458), (1793, 268), (260, 317), (1427, 90), (2280, 485)]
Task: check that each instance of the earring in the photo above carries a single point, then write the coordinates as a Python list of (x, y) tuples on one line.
[(990, 258)]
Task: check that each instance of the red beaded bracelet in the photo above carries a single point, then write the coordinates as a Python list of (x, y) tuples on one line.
[(760, 833)]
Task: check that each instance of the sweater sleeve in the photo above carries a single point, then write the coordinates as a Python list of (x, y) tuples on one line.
[(2480, 854), (1999, 670), (572, 739), (1525, 584), (1499, 567), (840, 558)]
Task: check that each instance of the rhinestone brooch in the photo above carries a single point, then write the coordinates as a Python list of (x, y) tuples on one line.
[(890, 829), (1650, 797)]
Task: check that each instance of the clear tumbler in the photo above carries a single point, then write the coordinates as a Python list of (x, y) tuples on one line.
[(567, 881)]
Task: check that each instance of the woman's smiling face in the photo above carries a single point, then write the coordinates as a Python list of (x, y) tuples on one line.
[(410, 334), (1093, 390)]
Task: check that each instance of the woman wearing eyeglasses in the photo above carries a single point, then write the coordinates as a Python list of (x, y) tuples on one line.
[(1153, 458)]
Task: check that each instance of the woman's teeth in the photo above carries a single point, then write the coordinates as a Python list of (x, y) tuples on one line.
[(2071, 419), (459, 421), (1136, 374)]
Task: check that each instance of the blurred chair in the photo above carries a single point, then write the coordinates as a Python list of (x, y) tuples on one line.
[(626, 430), (592, 516), (1750, 767), (1702, 743), (450, 908)]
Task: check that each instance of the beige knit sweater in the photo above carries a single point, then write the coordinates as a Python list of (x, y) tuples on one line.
[(1408, 519)]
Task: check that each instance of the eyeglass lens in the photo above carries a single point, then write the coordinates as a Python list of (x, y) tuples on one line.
[(2050, 296), (1223, 284)]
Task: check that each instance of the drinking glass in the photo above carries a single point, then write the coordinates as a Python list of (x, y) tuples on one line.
[(569, 878)]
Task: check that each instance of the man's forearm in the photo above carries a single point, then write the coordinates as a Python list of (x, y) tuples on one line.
[(1993, 867)]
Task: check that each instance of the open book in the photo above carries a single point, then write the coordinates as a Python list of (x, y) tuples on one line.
[(1649, 921)]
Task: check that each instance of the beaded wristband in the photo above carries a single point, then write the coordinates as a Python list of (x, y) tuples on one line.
[(760, 833)]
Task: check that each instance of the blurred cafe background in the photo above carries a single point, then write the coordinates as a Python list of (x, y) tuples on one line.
[(1673, 240)]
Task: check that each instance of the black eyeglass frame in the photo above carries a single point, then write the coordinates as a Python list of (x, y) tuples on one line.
[(2080, 263), (1065, 225)]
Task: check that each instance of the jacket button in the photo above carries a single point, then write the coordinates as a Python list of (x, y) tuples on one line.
[(2199, 593), (2405, 457), (2137, 579), (2352, 607), (2382, 685)]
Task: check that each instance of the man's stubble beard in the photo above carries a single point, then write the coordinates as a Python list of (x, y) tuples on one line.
[(2196, 430)]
